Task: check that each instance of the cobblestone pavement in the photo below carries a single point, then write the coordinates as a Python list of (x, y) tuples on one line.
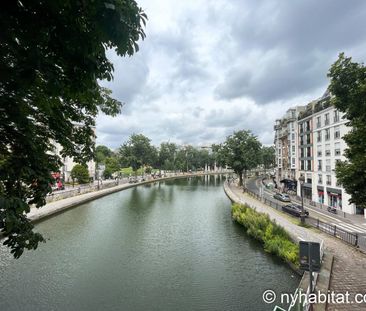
[(349, 267)]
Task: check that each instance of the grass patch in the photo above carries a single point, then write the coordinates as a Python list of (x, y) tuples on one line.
[(274, 237), (304, 225), (128, 171)]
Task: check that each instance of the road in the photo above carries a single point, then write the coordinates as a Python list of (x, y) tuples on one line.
[(314, 213)]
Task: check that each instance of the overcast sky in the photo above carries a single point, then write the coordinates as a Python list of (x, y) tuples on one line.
[(208, 68)]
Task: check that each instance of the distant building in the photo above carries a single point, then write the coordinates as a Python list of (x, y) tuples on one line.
[(286, 142), (310, 146), (68, 163)]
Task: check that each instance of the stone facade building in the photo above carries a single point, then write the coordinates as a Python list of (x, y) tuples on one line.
[(313, 152)]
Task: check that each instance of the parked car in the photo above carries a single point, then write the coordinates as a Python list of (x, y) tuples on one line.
[(282, 197), (332, 209), (294, 209)]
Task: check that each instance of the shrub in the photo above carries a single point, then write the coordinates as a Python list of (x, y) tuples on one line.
[(273, 236), (80, 172)]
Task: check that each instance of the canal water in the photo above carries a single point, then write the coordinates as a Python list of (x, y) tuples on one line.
[(165, 246)]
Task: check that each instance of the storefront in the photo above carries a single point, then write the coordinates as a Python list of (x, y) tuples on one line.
[(307, 193), (334, 197), (320, 194)]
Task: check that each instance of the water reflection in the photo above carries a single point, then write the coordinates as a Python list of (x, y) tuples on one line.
[(168, 246)]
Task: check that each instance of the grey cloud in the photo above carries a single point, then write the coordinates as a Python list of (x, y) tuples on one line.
[(225, 118), (130, 78), (305, 38), (193, 76)]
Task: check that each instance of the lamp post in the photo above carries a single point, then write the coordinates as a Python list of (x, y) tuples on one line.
[(302, 181)]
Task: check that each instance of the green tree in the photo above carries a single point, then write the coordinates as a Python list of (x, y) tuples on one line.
[(101, 153), (138, 152), (268, 156), (348, 87), (242, 152), (167, 154), (112, 165), (80, 173), (52, 54)]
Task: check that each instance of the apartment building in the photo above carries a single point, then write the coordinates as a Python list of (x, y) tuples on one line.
[(319, 145), (329, 147), (68, 162), (286, 141)]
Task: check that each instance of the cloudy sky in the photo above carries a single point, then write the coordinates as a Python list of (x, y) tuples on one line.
[(208, 68)]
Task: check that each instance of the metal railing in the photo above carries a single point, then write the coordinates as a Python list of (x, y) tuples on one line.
[(353, 238), (334, 230)]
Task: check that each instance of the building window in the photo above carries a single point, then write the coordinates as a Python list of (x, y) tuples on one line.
[(326, 121), (320, 179), (318, 122), (302, 165), (336, 116), (319, 151), (308, 125), (308, 139), (327, 166), (293, 161), (337, 132), (308, 168), (319, 165), (327, 134), (329, 180), (301, 127), (327, 150), (308, 179), (319, 137), (337, 149), (293, 136), (308, 152)]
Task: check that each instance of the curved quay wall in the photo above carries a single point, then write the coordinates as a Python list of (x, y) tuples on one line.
[(53, 208)]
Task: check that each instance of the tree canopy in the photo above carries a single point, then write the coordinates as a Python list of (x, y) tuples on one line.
[(112, 165), (348, 87), (268, 156), (80, 173), (102, 153), (52, 54), (138, 152), (242, 152)]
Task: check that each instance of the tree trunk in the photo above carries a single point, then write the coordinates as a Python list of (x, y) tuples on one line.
[(240, 178), (245, 177)]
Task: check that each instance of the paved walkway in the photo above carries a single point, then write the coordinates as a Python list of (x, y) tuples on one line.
[(349, 218), (349, 267)]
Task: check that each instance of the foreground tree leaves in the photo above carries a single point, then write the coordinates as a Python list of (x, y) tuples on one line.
[(52, 54)]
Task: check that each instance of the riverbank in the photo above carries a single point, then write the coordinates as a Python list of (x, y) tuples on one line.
[(275, 238), (53, 208), (346, 274)]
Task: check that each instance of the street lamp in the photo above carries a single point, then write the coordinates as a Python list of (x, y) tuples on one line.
[(302, 181)]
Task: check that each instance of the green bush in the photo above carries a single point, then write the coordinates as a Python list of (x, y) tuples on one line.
[(80, 173), (273, 236)]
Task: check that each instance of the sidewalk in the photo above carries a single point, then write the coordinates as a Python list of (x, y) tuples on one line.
[(297, 233), (345, 217), (349, 266)]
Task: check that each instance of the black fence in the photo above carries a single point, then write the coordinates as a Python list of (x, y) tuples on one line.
[(346, 236), (352, 238)]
